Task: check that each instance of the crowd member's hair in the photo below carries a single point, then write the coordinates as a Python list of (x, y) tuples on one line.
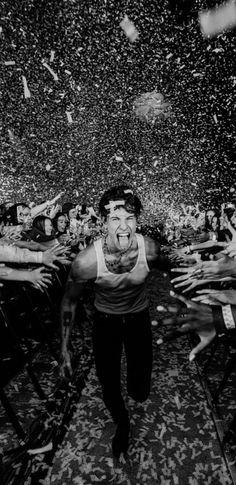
[(2, 209), (11, 214), (67, 207), (83, 209), (124, 193)]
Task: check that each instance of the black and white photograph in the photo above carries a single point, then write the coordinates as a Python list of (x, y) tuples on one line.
[(117, 242)]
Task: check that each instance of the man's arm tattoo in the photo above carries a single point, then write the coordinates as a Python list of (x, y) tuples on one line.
[(67, 319)]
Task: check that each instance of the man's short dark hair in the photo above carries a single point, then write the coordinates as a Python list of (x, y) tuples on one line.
[(120, 193)]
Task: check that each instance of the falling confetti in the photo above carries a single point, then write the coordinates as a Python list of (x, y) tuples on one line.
[(154, 323), (52, 55), (26, 89), (151, 107), (129, 29), (54, 75), (218, 20), (69, 117)]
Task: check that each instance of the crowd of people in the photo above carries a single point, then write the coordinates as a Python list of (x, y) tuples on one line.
[(114, 250)]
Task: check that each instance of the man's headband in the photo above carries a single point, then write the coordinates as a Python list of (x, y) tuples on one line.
[(113, 204)]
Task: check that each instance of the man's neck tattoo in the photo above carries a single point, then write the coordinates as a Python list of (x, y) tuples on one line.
[(116, 262)]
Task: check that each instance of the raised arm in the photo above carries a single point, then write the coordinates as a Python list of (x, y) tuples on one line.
[(38, 209)]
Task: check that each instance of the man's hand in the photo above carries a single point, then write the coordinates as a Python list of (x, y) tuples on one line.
[(65, 368), (198, 318), (216, 297)]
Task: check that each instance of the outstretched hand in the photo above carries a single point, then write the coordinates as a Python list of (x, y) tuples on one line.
[(216, 297), (220, 268), (56, 254), (39, 279), (199, 318)]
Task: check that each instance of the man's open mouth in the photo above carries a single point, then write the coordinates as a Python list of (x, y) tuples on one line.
[(123, 239)]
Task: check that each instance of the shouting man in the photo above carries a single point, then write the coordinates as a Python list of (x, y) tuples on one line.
[(118, 264)]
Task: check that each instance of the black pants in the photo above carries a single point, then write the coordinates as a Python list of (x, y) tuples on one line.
[(110, 334)]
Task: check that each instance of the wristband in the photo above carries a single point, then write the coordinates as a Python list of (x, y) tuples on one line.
[(218, 320), (228, 317)]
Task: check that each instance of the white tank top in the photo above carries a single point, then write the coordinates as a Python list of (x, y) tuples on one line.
[(121, 293)]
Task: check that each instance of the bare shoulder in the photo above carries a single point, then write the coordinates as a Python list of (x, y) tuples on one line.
[(152, 248), (84, 266)]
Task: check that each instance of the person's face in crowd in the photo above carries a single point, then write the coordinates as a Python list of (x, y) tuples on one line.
[(24, 217), (48, 227), (61, 224), (214, 223), (210, 214), (121, 226), (72, 213)]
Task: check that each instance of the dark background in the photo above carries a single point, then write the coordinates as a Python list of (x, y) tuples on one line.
[(194, 155)]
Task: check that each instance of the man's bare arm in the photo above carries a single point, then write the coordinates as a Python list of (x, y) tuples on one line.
[(84, 268), (74, 288)]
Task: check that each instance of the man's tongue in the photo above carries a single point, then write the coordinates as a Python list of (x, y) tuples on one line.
[(123, 241)]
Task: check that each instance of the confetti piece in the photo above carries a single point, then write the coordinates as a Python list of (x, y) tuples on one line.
[(129, 29), (69, 117), (215, 118), (154, 323), (219, 19), (54, 75), (26, 89), (11, 136), (173, 373), (160, 308), (9, 63), (52, 54), (48, 167)]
